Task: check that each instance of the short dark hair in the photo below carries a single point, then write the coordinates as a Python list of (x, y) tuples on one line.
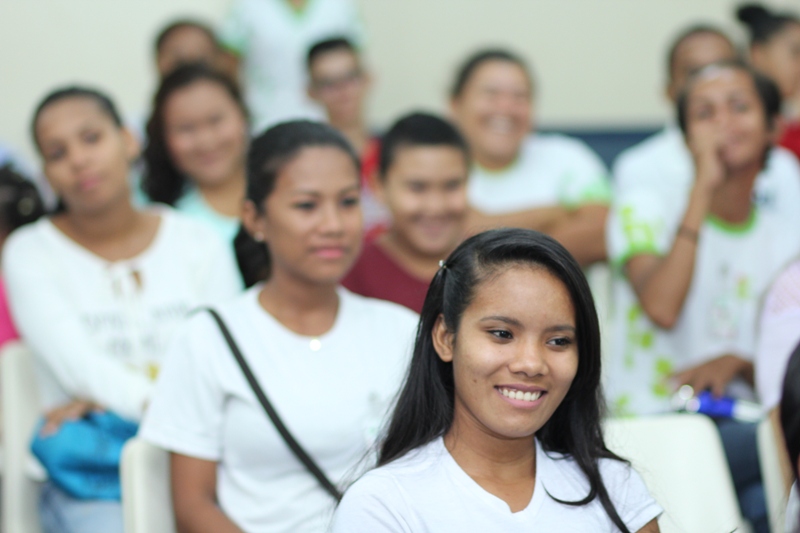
[(269, 153), (75, 91), (180, 24), (688, 33), (768, 92), (477, 59), (328, 45), (20, 202), (790, 409), (419, 129), (763, 24), (425, 407)]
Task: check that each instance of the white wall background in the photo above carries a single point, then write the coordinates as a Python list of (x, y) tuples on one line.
[(598, 62)]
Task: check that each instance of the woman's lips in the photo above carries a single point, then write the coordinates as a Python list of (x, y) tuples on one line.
[(330, 252)]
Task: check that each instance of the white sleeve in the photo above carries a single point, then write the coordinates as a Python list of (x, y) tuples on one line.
[(234, 33), (218, 276), (355, 24), (372, 505), (586, 181), (52, 328), (626, 488), (186, 413), (778, 335)]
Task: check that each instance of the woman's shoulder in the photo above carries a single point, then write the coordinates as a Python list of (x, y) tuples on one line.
[(379, 311), (402, 474), (29, 240), (184, 233)]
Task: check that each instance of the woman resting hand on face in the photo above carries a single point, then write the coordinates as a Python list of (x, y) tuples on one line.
[(497, 427)]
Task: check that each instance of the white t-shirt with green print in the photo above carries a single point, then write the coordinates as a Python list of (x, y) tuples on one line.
[(550, 170), (734, 267)]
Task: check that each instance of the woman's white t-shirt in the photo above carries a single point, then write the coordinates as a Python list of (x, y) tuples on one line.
[(426, 490), (332, 392), (99, 329), (733, 270), (550, 170)]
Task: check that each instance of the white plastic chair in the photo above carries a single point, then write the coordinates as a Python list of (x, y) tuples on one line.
[(21, 410), (681, 459), (146, 496), (775, 489)]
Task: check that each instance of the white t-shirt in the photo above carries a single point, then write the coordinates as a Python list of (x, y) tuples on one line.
[(426, 490), (96, 332), (273, 41), (733, 269), (332, 392), (550, 170), (778, 335)]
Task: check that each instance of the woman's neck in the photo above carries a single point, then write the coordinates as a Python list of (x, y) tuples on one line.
[(305, 308), (356, 134), (419, 265), (732, 201), (504, 467), (116, 233), (227, 196)]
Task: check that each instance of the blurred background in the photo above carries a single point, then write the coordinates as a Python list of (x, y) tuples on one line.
[(599, 64)]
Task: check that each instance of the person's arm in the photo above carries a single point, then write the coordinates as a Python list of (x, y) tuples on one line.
[(50, 325), (194, 496), (661, 283), (583, 233), (650, 527)]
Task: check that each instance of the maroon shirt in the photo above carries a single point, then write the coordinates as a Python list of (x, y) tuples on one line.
[(377, 275)]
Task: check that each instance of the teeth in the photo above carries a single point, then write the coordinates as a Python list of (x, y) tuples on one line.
[(519, 395)]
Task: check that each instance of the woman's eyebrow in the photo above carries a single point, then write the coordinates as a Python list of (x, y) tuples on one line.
[(499, 318)]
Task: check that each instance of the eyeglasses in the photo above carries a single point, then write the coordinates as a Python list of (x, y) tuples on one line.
[(332, 84)]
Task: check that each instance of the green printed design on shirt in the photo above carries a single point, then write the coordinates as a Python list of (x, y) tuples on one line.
[(743, 288), (621, 406), (639, 234), (596, 192), (663, 369), (638, 337)]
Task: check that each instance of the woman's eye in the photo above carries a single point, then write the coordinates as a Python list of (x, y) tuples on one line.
[(54, 155), (561, 341), (305, 206), (91, 137), (741, 107), (501, 334), (350, 201)]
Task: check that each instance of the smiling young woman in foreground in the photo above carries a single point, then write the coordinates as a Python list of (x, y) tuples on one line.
[(498, 425)]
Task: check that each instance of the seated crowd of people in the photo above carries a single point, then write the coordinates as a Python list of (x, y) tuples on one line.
[(330, 328)]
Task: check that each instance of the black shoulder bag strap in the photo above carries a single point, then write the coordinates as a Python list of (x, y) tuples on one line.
[(298, 450)]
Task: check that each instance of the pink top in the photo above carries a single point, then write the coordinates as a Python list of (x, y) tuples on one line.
[(778, 335), (7, 330)]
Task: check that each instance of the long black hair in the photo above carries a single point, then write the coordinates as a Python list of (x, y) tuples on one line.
[(163, 182), (790, 409), (425, 407), (268, 155)]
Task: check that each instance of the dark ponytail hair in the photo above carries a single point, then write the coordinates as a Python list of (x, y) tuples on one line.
[(269, 153), (477, 59), (163, 182), (103, 102), (425, 407), (790, 409), (20, 202), (763, 24)]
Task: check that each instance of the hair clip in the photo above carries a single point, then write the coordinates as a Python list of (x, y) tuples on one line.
[(442, 264)]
